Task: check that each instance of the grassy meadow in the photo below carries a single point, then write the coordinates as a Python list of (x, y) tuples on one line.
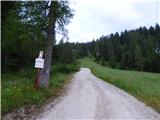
[(17, 87), (143, 85)]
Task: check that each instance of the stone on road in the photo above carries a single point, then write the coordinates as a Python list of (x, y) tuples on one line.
[(88, 97)]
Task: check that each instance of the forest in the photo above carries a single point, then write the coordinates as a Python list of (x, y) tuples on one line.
[(28, 27), (24, 30), (129, 50)]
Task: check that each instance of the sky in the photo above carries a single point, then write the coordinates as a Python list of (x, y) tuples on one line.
[(94, 18)]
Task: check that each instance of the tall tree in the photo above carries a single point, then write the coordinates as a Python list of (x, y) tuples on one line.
[(50, 41), (60, 13)]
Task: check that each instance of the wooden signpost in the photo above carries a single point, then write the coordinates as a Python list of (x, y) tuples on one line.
[(39, 64)]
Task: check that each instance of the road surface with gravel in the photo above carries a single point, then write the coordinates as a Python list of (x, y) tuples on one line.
[(88, 97)]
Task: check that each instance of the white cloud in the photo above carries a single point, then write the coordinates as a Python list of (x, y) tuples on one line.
[(94, 18)]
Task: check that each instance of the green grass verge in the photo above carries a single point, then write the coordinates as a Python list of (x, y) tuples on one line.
[(143, 85), (17, 88)]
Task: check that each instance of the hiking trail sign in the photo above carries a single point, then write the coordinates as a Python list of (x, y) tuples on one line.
[(39, 62)]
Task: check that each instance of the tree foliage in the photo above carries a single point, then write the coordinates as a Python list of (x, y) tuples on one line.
[(24, 30), (134, 49)]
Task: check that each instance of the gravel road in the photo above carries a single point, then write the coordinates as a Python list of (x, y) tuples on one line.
[(88, 97)]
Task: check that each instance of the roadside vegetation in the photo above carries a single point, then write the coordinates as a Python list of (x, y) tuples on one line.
[(28, 29), (17, 87), (142, 85)]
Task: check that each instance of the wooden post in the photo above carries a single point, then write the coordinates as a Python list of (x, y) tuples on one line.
[(37, 79)]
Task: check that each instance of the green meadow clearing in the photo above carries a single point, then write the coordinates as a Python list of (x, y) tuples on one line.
[(143, 85)]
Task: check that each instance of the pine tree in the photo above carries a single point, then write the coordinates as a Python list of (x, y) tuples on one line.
[(60, 13)]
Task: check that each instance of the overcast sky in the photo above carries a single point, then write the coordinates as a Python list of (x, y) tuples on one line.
[(94, 18)]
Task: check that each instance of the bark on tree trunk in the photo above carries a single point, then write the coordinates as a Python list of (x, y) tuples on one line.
[(45, 74)]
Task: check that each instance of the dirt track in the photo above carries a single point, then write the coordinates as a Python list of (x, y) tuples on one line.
[(88, 97)]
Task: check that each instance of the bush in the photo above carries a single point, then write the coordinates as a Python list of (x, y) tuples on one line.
[(64, 68)]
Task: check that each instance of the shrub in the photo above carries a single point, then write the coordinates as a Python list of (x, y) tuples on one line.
[(64, 68)]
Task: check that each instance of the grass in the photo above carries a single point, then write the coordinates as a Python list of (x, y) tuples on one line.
[(17, 88), (143, 85)]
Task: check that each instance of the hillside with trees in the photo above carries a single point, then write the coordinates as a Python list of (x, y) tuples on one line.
[(129, 50), (24, 33)]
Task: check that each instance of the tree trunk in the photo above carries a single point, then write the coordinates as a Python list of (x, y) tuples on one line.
[(45, 73)]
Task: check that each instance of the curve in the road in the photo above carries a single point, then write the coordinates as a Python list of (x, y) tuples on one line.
[(91, 98)]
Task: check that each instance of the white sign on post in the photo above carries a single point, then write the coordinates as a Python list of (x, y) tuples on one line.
[(39, 62)]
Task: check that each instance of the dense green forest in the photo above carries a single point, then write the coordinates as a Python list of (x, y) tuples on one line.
[(24, 30), (21, 39), (133, 49)]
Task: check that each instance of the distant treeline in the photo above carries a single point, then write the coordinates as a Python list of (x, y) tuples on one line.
[(133, 50)]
